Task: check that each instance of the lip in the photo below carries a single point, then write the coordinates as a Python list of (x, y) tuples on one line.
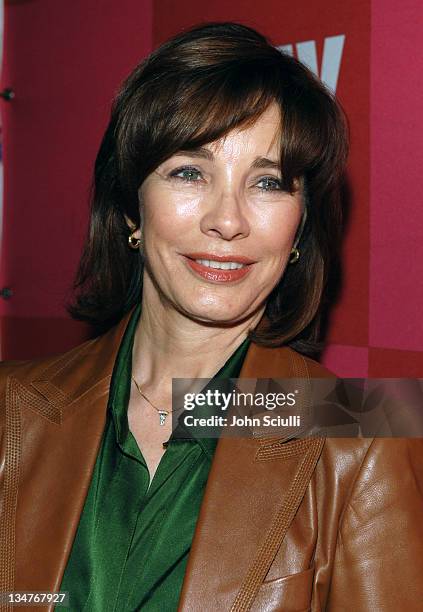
[(215, 275), (213, 257)]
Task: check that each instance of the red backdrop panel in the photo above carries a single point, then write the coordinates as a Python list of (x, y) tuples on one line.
[(392, 363), (64, 60), (396, 258)]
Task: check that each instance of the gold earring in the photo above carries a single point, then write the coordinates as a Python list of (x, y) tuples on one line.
[(295, 255), (133, 242)]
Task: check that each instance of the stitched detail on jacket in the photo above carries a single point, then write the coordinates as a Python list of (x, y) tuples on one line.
[(38, 404), (11, 483)]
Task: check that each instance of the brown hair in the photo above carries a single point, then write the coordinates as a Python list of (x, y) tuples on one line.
[(190, 91)]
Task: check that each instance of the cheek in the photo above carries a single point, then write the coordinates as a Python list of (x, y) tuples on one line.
[(278, 233), (168, 213)]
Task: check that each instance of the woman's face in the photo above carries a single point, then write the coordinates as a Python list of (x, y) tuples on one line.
[(217, 228)]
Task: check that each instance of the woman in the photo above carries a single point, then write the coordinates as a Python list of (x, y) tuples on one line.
[(215, 222)]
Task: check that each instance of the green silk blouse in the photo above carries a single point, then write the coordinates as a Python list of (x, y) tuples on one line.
[(133, 540)]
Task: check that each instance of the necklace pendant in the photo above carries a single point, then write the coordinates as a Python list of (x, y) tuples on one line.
[(163, 414)]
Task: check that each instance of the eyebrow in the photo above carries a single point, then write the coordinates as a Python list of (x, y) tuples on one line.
[(203, 153)]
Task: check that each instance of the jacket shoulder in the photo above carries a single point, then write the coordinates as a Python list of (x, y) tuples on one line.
[(69, 375), (314, 368), (281, 362), (27, 370)]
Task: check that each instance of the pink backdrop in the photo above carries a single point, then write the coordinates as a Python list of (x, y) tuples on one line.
[(66, 59)]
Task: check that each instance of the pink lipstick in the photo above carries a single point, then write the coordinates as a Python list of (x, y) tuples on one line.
[(202, 264)]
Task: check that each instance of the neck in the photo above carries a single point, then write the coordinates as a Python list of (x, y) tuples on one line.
[(169, 344)]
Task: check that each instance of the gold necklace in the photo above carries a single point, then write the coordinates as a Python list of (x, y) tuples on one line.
[(162, 413)]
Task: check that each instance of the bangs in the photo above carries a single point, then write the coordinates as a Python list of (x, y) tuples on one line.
[(199, 105), (234, 101)]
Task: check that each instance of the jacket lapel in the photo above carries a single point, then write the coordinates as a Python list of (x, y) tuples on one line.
[(251, 497), (56, 461)]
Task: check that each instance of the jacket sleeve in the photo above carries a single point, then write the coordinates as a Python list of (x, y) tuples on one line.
[(378, 562)]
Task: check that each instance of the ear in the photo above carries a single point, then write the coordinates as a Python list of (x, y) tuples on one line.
[(136, 232)]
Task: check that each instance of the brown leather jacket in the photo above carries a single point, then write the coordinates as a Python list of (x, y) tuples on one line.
[(311, 524)]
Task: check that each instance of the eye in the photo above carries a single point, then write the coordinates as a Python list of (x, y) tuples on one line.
[(186, 173), (270, 183)]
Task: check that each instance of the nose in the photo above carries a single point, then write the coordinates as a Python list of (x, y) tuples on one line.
[(225, 217)]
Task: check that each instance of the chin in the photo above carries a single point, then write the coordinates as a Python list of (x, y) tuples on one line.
[(216, 316)]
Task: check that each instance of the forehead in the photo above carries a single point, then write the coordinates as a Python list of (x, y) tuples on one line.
[(260, 137)]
